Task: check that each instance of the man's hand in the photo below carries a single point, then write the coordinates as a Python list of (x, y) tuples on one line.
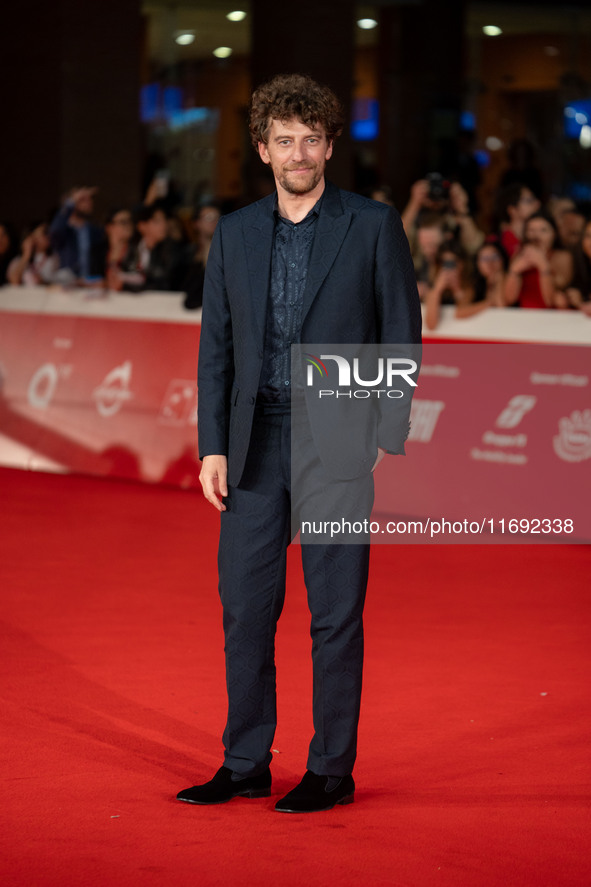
[(419, 194), (213, 477), (82, 194), (381, 454)]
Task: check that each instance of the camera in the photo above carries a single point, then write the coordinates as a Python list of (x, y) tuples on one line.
[(438, 187)]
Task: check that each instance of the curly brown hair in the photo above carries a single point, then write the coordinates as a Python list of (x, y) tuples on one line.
[(294, 95)]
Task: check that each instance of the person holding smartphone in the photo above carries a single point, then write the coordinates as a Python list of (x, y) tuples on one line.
[(453, 284)]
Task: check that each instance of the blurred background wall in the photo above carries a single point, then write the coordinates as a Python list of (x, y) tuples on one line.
[(111, 93)]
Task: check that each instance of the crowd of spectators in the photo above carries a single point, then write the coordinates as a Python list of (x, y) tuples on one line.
[(532, 256), (146, 248)]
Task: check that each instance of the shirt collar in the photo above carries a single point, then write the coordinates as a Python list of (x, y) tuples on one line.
[(314, 212)]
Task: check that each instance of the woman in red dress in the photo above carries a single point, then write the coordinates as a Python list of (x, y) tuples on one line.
[(539, 273)]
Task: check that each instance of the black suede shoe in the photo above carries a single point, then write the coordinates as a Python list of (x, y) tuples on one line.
[(223, 788), (315, 793)]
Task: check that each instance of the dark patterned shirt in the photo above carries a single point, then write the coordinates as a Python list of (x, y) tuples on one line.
[(292, 247)]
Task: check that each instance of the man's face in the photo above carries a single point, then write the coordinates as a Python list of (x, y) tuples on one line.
[(85, 206), (297, 154)]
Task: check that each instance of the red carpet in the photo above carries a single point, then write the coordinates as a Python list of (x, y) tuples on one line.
[(473, 761)]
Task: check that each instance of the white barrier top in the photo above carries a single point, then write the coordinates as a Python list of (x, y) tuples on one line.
[(157, 306), (491, 325)]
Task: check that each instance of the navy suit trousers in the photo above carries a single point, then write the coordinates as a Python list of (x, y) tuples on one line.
[(255, 533)]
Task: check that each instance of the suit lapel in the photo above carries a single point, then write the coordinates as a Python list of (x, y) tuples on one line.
[(332, 226), (258, 242), (258, 227)]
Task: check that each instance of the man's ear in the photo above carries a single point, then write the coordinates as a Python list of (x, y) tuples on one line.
[(263, 153), (329, 151)]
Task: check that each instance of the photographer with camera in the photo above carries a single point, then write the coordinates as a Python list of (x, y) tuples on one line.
[(435, 194)]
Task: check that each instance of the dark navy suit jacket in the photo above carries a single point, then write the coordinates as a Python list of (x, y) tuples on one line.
[(360, 289), (64, 241)]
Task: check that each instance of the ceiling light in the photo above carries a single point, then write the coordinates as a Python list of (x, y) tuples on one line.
[(185, 38), (237, 16), (367, 24), (492, 30), (222, 52), (585, 137)]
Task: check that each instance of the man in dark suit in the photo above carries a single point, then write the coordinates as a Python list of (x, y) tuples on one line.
[(308, 264), (78, 242)]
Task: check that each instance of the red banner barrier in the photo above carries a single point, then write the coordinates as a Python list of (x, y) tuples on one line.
[(100, 396), (500, 434)]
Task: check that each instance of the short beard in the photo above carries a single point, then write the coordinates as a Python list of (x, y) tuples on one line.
[(303, 185)]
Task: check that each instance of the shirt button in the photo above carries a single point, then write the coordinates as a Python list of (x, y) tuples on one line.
[(286, 382), (292, 264)]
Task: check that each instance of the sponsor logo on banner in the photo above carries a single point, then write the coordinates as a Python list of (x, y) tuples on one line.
[(498, 456), (573, 442), (64, 344), (423, 419), (113, 391), (44, 382), (440, 370), (515, 410), (510, 417), (179, 406), (568, 379)]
